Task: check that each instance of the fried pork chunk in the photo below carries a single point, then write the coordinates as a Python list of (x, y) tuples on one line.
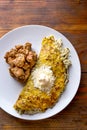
[(21, 60)]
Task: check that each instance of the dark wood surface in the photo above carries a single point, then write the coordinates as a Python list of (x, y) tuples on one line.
[(70, 18)]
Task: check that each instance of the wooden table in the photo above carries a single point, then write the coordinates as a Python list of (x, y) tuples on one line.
[(70, 18)]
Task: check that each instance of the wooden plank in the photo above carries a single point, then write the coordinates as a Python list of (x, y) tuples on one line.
[(62, 15)]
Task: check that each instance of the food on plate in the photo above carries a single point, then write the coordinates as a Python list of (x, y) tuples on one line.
[(47, 80), (21, 60)]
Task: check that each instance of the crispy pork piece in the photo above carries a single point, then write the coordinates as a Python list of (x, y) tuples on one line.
[(21, 60)]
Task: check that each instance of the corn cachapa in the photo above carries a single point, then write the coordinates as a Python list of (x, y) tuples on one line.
[(32, 100)]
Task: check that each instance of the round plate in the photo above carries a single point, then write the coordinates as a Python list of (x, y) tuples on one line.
[(10, 88)]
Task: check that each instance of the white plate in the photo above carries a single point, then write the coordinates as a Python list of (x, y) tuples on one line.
[(10, 88)]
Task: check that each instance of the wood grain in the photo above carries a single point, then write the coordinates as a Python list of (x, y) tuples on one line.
[(70, 18)]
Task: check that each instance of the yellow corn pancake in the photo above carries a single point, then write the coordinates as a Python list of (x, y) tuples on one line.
[(47, 80)]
